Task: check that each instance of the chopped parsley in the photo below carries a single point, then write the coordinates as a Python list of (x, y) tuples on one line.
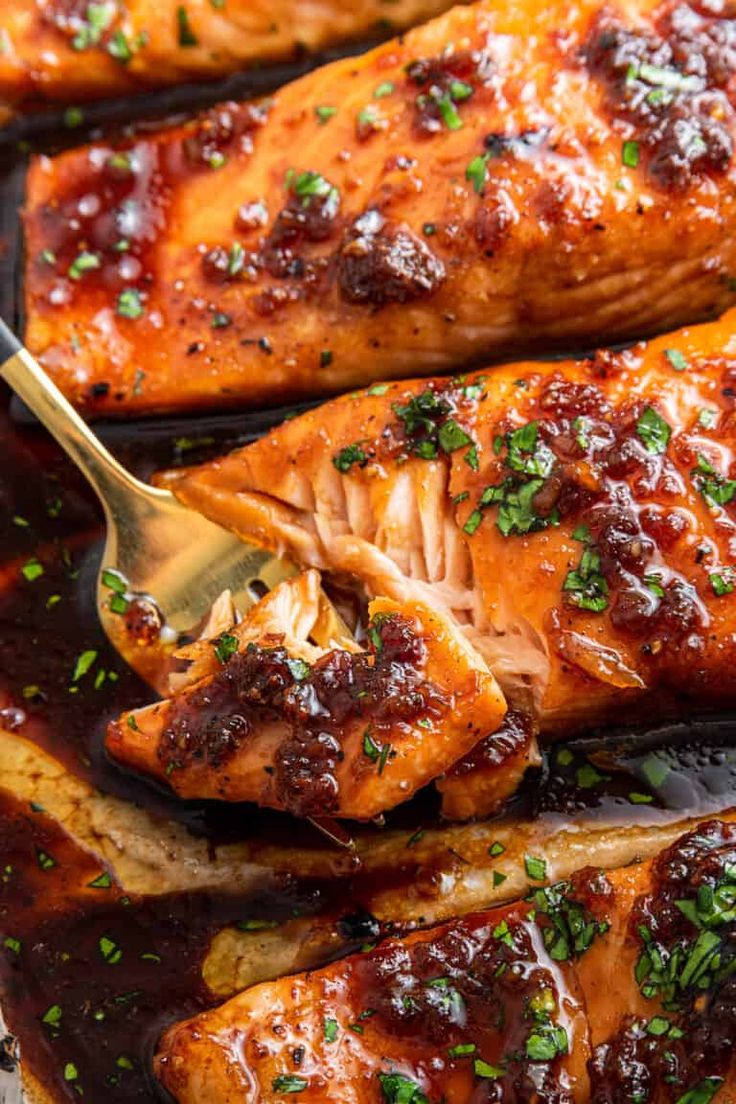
[(84, 262), (722, 582), (398, 1089), (715, 488), (329, 1028), (325, 358), (85, 661), (496, 849), (308, 184), (677, 359), (52, 1016), (256, 925), (535, 868), (461, 1050), (587, 777), (32, 569), (477, 171), (452, 436), (289, 1083), (102, 881), (225, 646), (346, 457), (707, 419), (702, 1093), (586, 586), (485, 1069), (530, 461), (654, 431), (630, 154), (324, 112), (299, 669), (12, 944), (98, 18), (110, 951), (129, 303), (187, 36), (385, 88), (568, 928)]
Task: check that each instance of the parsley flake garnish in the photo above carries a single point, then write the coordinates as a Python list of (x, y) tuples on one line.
[(677, 359), (346, 457), (84, 262), (187, 36), (586, 586), (398, 1089), (654, 431), (289, 1083), (225, 646), (630, 154), (535, 868)]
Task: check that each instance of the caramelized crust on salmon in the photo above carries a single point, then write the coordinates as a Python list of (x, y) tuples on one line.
[(275, 718), (509, 176), (70, 50), (575, 519), (607, 988)]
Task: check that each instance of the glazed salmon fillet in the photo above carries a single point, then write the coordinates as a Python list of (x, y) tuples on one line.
[(507, 177), (71, 50), (574, 519), (608, 988), (332, 728)]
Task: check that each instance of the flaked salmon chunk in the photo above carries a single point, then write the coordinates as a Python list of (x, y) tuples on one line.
[(287, 710), (575, 520), (605, 988), (505, 178)]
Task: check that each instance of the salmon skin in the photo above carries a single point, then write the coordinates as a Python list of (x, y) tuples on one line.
[(575, 520), (606, 988), (69, 50), (507, 177), (279, 711)]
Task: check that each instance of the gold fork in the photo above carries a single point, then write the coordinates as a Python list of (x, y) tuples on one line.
[(163, 565)]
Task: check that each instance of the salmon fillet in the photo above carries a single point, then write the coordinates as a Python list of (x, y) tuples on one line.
[(606, 988), (278, 712), (574, 519), (71, 50), (508, 177)]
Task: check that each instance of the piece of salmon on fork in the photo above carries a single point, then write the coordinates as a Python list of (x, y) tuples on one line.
[(288, 710), (505, 177)]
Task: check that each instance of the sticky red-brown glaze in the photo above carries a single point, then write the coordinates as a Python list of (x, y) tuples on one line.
[(576, 518), (478, 784), (499, 178), (52, 51), (347, 732), (498, 985)]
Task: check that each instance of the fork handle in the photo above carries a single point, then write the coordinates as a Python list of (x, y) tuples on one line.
[(29, 381)]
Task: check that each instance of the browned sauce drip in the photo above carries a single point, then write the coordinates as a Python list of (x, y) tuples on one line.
[(673, 86)]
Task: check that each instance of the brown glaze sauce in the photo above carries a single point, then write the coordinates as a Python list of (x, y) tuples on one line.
[(90, 975), (673, 86), (512, 738), (382, 686), (483, 983)]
